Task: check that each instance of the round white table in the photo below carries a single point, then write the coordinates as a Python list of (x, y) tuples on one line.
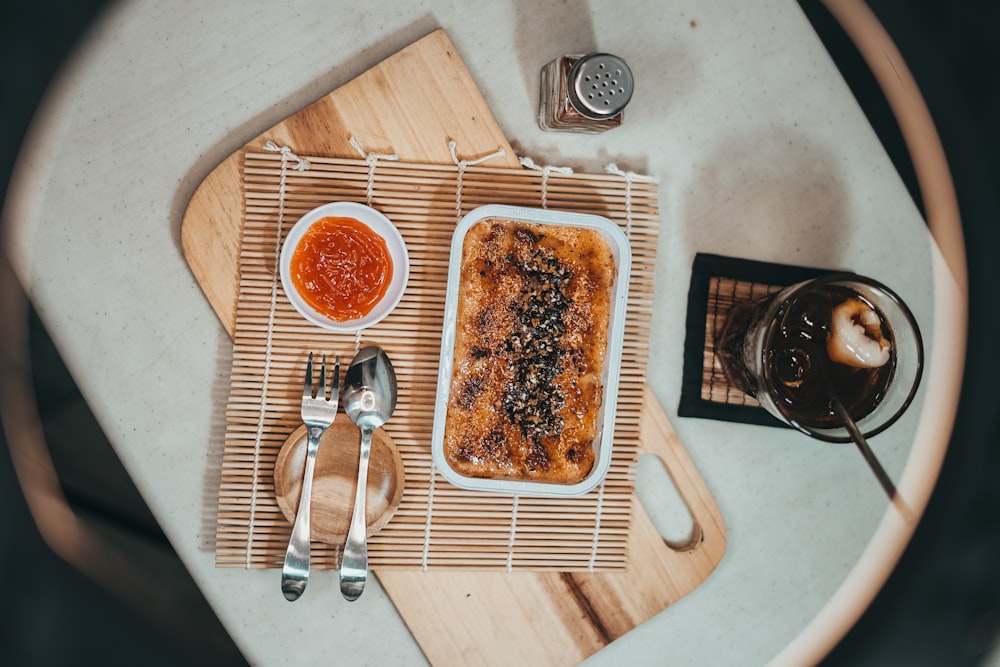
[(761, 152)]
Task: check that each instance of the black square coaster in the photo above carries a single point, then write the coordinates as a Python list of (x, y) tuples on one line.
[(717, 284)]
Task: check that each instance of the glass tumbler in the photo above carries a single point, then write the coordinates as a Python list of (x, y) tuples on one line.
[(839, 337)]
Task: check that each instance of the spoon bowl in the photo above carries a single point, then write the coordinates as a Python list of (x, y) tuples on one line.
[(369, 399)]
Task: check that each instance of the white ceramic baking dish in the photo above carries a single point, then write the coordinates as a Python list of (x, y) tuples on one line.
[(612, 366)]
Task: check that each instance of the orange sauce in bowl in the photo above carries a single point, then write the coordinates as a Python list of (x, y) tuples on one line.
[(341, 268)]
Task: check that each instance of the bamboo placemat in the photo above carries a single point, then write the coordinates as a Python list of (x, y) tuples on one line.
[(437, 525)]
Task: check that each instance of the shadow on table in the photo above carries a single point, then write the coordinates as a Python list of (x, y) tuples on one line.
[(50, 612), (121, 595)]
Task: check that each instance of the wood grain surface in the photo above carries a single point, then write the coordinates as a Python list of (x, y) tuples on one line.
[(335, 480), (413, 104)]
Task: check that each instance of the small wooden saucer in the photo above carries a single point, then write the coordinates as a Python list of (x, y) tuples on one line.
[(335, 480)]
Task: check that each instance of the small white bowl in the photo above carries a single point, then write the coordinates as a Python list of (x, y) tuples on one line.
[(379, 224)]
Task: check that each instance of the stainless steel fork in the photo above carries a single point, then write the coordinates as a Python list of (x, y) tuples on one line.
[(318, 414)]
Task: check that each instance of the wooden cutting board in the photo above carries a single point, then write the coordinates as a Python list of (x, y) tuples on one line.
[(413, 104)]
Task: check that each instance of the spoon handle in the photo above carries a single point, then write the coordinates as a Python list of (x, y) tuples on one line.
[(295, 572), (354, 565)]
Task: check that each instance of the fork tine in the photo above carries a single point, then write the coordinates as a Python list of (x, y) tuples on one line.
[(335, 393), (322, 380), (307, 392)]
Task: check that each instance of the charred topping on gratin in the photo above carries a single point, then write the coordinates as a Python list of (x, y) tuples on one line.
[(533, 400), (517, 389), (469, 391), (489, 447)]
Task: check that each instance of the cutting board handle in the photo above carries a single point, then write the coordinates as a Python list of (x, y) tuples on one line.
[(659, 439)]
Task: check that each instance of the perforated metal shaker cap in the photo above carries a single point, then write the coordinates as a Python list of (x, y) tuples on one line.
[(600, 85)]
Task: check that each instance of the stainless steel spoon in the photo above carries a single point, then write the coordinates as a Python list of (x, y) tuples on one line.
[(369, 400)]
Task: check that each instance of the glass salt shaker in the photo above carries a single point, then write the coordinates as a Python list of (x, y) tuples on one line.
[(584, 93)]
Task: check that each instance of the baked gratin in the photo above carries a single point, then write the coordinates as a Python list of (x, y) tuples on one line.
[(531, 338)]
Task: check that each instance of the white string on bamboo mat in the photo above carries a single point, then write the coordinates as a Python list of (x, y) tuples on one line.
[(528, 163), (427, 524), (513, 535), (462, 165), (300, 165), (597, 528), (372, 160), (630, 177)]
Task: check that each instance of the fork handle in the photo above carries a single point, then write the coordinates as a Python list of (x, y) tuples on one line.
[(354, 565), (295, 572)]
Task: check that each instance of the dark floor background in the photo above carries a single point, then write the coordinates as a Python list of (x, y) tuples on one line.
[(940, 607)]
